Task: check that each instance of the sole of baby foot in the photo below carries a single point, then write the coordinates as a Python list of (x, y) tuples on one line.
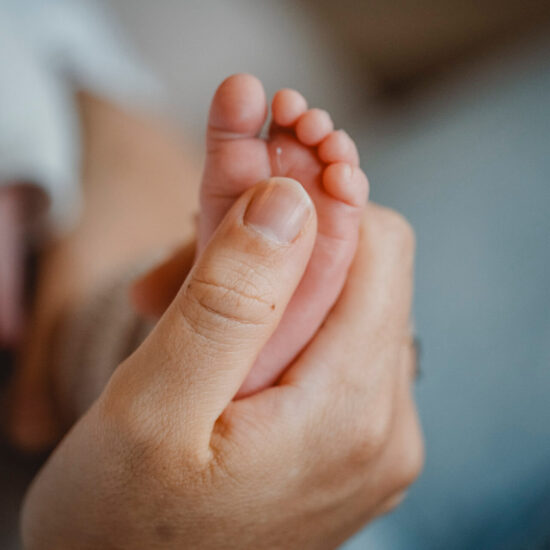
[(302, 144)]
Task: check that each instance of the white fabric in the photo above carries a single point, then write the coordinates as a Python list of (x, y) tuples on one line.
[(47, 50)]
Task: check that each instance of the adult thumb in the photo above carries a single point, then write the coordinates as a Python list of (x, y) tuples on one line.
[(232, 300)]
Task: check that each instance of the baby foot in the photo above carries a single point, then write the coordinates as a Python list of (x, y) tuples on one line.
[(302, 145)]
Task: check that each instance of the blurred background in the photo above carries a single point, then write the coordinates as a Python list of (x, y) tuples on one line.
[(449, 102)]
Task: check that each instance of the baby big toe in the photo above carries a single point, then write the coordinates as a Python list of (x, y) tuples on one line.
[(238, 108)]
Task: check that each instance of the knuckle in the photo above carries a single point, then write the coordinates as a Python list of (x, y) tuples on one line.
[(377, 432), (411, 464), (367, 414), (395, 231), (399, 230), (371, 437), (232, 294)]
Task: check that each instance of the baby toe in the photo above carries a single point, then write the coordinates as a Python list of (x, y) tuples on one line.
[(338, 147), (313, 126), (346, 183), (287, 107)]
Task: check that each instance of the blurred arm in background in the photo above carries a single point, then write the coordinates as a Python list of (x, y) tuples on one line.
[(38, 158), (80, 167)]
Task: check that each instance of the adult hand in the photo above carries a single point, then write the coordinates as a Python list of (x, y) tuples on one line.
[(165, 457)]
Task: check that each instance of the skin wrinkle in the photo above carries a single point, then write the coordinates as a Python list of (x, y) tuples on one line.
[(216, 324), (228, 293), (246, 273), (243, 279)]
